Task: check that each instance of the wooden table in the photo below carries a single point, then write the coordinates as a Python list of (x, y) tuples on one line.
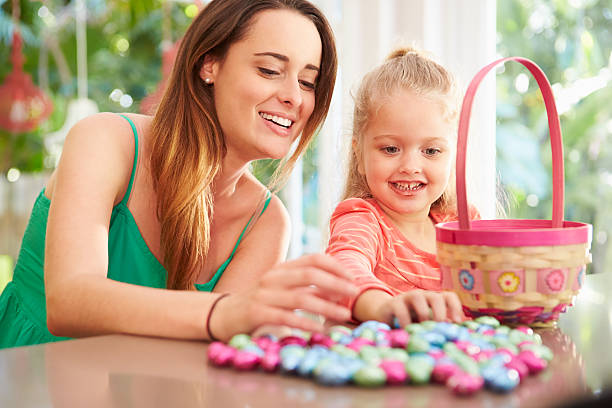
[(130, 371)]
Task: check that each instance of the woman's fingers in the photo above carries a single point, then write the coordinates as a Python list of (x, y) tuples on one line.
[(323, 262), (309, 275), (276, 316), (300, 299)]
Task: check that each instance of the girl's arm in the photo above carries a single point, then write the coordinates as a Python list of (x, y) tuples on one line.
[(355, 240), (92, 176)]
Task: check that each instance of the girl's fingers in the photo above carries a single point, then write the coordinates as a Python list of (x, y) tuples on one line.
[(400, 310), (438, 306), (455, 311), (419, 305)]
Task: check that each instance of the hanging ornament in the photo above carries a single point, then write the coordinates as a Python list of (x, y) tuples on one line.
[(22, 105)]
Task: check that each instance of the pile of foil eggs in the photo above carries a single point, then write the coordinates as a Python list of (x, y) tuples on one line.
[(465, 357)]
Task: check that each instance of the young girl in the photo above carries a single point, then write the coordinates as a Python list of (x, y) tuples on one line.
[(397, 189)]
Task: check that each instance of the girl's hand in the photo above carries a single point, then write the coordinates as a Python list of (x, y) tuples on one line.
[(314, 283), (420, 305)]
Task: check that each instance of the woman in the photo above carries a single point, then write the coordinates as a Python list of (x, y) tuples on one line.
[(142, 211)]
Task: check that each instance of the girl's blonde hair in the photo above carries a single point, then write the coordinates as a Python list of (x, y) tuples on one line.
[(188, 144), (404, 69)]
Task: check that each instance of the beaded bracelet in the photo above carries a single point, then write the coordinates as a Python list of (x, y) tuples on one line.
[(210, 335)]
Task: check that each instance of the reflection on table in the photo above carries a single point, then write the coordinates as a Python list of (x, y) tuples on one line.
[(129, 371)]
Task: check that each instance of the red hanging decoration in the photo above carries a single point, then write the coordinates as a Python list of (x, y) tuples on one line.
[(22, 105)]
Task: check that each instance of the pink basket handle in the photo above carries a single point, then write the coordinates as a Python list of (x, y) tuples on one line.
[(556, 142)]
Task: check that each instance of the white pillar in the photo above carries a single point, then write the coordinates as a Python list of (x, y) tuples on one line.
[(293, 198), (463, 35)]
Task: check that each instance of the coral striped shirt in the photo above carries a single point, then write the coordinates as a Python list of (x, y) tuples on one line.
[(367, 243)]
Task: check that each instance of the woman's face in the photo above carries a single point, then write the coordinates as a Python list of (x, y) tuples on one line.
[(264, 87)]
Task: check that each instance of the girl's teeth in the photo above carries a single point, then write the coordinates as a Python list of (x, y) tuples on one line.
[(277, 119), (411, 186)]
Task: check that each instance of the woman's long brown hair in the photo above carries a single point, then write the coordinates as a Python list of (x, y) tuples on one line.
[(188, 144)]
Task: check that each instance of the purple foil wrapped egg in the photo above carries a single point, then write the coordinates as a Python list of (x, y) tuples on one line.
[(398, 338), (297, 340), (221, 354), (270, 361), (534, 363), (246, 360), (465, 384), (395, 371)]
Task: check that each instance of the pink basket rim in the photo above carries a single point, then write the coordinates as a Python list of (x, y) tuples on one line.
[(514, 233)]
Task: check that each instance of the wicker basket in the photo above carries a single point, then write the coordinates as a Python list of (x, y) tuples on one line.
[(520, 271)]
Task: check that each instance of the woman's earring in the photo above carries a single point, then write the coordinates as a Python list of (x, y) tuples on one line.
[(208, 81)]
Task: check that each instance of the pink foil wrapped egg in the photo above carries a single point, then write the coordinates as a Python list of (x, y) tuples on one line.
[(442, 371), (398, 338), (246, 360), (221, 354), (270, 361), (533, 362), (465, 384), (395, 371)]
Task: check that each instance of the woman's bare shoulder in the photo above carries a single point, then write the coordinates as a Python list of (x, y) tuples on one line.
[(100, 145)]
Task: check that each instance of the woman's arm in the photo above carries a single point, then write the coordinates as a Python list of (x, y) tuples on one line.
[(92, 176), (263, 247)]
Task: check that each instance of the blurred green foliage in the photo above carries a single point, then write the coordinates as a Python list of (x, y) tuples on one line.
[(135, 71), (571, 41)]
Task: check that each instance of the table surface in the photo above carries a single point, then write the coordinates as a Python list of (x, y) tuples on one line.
[(131, 371)]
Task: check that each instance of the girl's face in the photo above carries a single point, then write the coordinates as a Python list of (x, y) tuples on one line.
[(264, 87), (406, 153)]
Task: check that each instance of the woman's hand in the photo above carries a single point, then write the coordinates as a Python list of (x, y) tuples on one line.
[(314, 283), (420, 305)]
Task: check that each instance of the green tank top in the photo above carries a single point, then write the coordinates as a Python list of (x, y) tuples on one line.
[(23, 315)]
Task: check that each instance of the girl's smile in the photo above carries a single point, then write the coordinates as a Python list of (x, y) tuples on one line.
[(406, 154)]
